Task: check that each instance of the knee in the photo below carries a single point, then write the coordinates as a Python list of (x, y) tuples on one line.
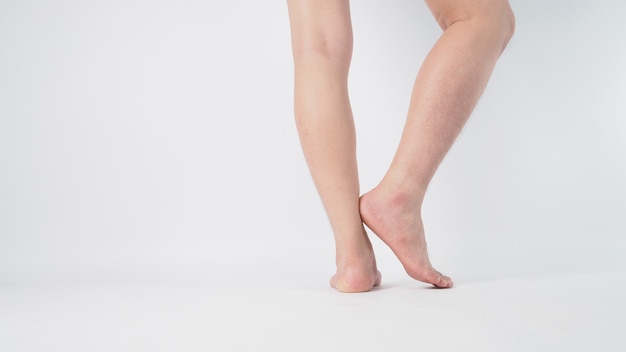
[(504, 23), (327, 47), (494, 19)]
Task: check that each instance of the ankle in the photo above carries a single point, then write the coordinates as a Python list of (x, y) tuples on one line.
[(397, 196), (346, 255), (353, 246)]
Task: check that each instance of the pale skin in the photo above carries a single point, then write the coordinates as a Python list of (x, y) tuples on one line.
[(446, 90)]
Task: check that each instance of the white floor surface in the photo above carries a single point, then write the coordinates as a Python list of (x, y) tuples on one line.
[(562, 313)]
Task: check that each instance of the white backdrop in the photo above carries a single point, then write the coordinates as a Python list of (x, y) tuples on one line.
[(145, 140)]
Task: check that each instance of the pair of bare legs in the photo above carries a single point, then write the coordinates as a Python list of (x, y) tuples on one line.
[(447, 88)]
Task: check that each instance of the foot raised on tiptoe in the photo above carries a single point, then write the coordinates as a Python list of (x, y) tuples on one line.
[(396, 219)]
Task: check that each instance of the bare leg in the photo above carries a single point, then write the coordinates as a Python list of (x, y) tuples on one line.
[(322, 48), (446, 90)]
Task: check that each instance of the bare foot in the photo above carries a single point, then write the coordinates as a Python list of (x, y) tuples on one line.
[(356, 269), (396, 219)]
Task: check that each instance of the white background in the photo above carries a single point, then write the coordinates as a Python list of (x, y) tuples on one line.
[(154, 140), (153, 195)]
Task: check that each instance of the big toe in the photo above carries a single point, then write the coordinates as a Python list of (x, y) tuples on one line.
[(442, 281), (436, 279)]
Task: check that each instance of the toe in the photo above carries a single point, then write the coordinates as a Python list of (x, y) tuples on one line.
[(437, 279), (444, 281)]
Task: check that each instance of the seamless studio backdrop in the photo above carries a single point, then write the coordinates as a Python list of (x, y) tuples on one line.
[(154, 140)]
